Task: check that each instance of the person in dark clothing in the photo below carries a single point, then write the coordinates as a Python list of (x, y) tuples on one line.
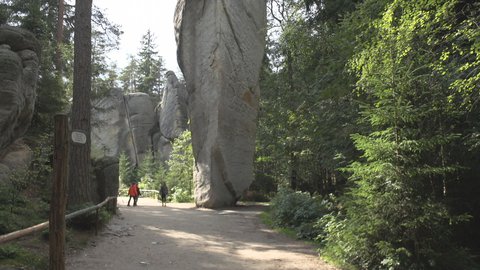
[(163, 193)]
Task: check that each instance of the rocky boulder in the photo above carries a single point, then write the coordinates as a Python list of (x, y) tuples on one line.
[(141, 120), (17, 157), (110, 130), (18, 79), (123, 123), (19, 67), (220, 51), (172, 116)]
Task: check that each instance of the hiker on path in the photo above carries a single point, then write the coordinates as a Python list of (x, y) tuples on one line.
[(163, 193), (133, 192)]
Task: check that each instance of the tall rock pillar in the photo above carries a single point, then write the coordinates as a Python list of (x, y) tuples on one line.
[(220, 51)]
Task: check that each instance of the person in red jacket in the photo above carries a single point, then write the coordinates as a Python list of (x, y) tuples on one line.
[(133, 192)]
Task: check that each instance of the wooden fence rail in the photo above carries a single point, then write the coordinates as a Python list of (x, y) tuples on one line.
[(149, 193), (42, 226)]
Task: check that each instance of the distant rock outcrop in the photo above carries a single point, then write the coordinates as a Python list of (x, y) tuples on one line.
[(220, 51), (110, 132), (173, 118), (122, 123), (172, 115), (19, 66), (141, 121), (130, 123)]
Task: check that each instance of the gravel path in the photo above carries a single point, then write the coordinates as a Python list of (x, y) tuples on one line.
[(181, 236)]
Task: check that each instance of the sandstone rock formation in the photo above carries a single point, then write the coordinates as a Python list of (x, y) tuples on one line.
[(220, 51), (130, 123), (110, 131), (122, 123), (18, 79), (141, 120), (172, 116)]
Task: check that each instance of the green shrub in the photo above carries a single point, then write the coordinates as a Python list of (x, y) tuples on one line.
[(8, 252), (300, 211), (181, 195), (21, 258)]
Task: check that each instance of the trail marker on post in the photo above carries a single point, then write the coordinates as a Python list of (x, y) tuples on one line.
[(78, 136)]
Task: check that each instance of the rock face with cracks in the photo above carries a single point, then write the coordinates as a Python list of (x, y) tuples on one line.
[(220, 51), (129, 123), (19, 66), (123, 123), (172, 116)]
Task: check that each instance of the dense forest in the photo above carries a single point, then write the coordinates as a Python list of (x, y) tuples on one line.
[(369, 129), (374, 109)]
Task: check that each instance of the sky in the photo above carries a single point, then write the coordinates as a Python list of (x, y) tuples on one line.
[(135, 18)]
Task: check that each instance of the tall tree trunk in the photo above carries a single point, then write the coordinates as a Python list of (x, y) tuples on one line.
[(291, 126), (59, 37), (293, 171), (80, 187)]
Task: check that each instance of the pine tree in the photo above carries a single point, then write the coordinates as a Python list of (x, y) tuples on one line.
[(150, 67), (125, 170), (146, 172), (180, 169), (80, 185), (129, 76)]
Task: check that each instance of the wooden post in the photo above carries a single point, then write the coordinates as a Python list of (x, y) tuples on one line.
[(96, 221), (59, 197)]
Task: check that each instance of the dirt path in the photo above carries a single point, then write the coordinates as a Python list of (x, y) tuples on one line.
[(181, 236)]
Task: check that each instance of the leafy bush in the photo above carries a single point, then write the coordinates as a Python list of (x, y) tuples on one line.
[(181, 195), (300, 211), (25, 192), (20, 258), (8, 252)]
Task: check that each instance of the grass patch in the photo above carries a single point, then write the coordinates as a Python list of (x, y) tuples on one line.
[(25, 254), (31, 252), (266, 218)]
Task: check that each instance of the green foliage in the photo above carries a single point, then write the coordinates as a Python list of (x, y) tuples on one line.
[(151, 173), (177, 173), (306, 102), (410, 200), (396, 216), (38, 16), (179, 177), (125, 170), (54, 84), (299, 211), (15, 256), (27, 191), (181, 195), (129, 76), (146, 173), (105, 38), (150, 66), (145, 71)]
